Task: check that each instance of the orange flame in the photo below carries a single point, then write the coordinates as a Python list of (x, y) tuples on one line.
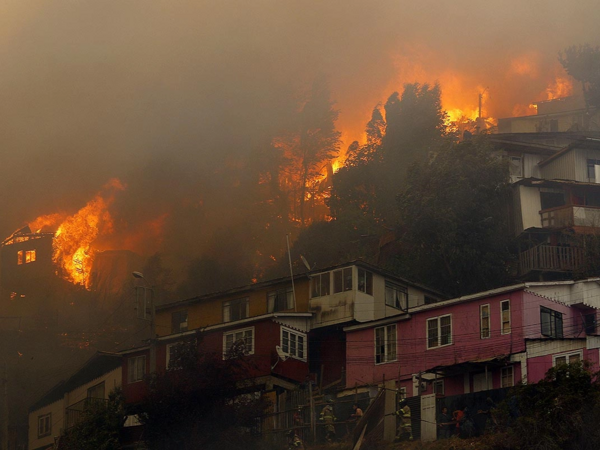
[(49, 221), (72, 246), (559, 88)]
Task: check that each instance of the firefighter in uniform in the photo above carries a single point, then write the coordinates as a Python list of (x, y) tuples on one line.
[(405, 426), (328, 419)]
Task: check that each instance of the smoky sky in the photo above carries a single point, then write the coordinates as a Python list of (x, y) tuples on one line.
[(166, 95)]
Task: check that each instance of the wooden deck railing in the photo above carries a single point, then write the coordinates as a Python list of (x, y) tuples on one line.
[(552, 258)]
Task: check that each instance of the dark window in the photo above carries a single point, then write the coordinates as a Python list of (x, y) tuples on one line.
[(552, 199), (179, 321), (235, 310), (429, 300), (280, 300), (554, 125), (552, 323), (590, 323), (365, 281), (396, 296)]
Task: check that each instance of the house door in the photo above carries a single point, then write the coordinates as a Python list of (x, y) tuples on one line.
[(428, 425), (479, 382)]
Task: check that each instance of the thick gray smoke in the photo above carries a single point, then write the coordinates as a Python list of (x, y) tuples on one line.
[(170, 96)]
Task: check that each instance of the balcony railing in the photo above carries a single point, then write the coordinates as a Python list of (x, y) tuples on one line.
[(571, 216), (551, 258), (74, 413)]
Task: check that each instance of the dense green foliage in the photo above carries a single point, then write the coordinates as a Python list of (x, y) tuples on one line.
[(561, 412), (197, 404), (100, 426), (454, 220)]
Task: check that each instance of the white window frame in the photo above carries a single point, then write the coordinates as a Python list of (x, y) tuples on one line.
[(287, 349), (133, 368), (512, 376), (400, 296), (44, 425), (233, 333), (367, 281), (227, 309), (439, 344), (387, 345), (502, 318), (489, 322), (567, 356), (343, 272), (321, 292)]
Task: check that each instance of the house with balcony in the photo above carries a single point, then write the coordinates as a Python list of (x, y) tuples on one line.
[(64, 405), (481, 342), (555, 205), (292, 329)]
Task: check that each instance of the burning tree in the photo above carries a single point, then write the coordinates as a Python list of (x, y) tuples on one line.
[(316, 143), (583, 63)]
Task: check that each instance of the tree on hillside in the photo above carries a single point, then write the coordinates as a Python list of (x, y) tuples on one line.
[(318, 140), (454, 227), (583, 63), (414, 126), (197, 402)]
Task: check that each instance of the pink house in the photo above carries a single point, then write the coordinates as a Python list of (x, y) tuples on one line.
[(483, 341)]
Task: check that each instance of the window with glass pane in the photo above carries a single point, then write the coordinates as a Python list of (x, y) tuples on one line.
[(136, 368), (385, 344), (365, 281), (439, 331), (484, 311), (445, 330), (342, 280), (280, 300), (235, 310), (293, 343), (320, 285), (432, 333), (569, 358), (505, 312), (239, 339), (507, 377), (552, 322), (396, 296)]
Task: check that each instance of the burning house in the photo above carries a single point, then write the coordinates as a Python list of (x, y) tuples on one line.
[(26, 266)]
